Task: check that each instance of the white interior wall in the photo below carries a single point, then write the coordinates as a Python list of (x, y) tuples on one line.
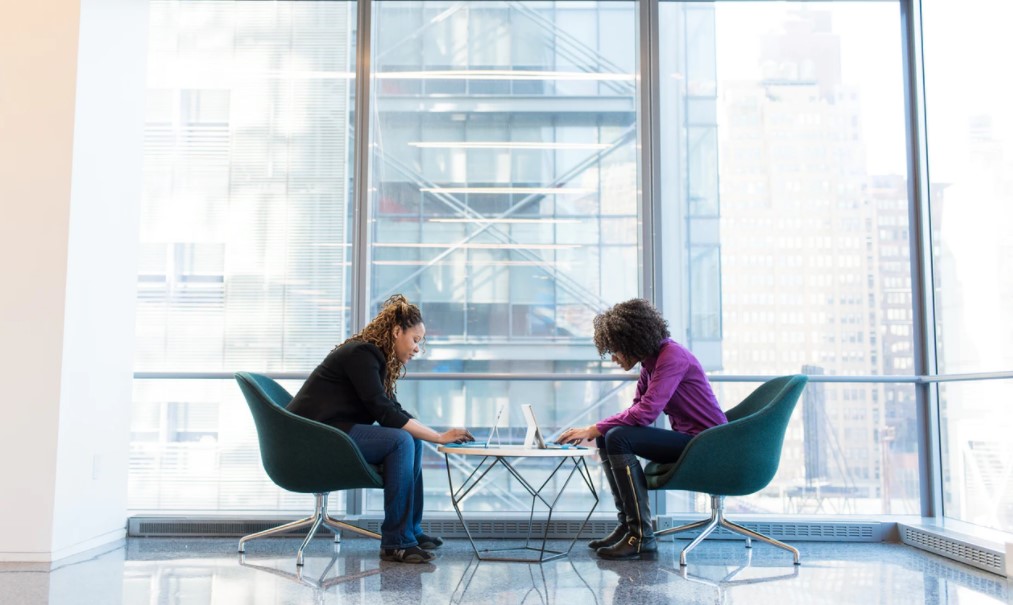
[(71, 122), (98, 337), (38, 48)]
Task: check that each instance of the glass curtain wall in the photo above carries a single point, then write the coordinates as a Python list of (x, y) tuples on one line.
[(783, 153), (244, 256), (970, 138), (505, 172), (504, 197)]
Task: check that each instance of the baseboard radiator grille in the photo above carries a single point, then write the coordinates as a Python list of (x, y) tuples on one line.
[(507, 528), (162, 527), (797, 530), (956, 549)]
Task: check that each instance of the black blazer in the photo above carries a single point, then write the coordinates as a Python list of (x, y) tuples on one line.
[(347, 389)]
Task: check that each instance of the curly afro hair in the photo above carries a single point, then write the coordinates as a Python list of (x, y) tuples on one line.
[(633, 329), (396, 311)]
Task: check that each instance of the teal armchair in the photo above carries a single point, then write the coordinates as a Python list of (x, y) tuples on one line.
[(303, 456), (734, 459)]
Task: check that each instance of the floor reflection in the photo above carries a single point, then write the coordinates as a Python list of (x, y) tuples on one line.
[(551, 583), (723, 577), (720, 575), (349, 569), (203, 571)]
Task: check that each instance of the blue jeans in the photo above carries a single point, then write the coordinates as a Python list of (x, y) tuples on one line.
[(658, 445), (401, 457)]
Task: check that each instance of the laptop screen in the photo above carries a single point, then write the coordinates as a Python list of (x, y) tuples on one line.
[(495, 425), (533, 439), (493, 432)]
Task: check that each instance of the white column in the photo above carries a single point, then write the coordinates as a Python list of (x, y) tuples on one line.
[(71, 125)]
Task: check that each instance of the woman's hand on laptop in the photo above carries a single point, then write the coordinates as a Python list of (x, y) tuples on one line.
[(576, 436), (459, 435)]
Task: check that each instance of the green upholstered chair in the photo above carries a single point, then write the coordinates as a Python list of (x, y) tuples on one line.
[(303, 456), (734, 459)]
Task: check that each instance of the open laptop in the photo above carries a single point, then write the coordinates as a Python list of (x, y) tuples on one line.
[(534, 439), (493, 432)]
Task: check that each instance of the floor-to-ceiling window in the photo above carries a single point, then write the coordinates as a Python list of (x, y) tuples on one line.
[(782, 128), (504, 199), (508, 177), (244, 242), (970, 144)]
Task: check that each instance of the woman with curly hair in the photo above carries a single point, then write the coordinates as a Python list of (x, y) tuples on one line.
[(353, 389), (671, 381)]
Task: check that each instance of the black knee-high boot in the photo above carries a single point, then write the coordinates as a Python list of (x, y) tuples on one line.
[(632, 488), (621, 528)]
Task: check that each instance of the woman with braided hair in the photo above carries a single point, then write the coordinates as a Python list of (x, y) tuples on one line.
[(671, 381), (353, 389)]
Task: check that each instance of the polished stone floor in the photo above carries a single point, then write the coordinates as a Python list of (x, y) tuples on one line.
[(197, 571)]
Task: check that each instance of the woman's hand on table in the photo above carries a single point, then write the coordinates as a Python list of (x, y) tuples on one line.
[(576, 436), (457, 435)]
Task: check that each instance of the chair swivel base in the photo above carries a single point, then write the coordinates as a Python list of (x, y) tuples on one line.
[(717, 519), (319, 519)]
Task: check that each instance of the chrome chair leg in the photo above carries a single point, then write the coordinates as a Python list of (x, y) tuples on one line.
[(319, 519), (748, 533), (682, 528), (708, 525), (716, 520), (275, 530), (712, 524), (337, 526), (316, 525)]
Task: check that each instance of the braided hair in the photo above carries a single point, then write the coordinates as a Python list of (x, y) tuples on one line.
[(634, 329), (396, 311)]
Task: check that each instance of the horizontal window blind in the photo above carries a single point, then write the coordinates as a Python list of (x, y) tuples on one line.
[(244, 258)]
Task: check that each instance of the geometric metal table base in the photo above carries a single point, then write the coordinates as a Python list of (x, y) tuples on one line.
[(491, 458)]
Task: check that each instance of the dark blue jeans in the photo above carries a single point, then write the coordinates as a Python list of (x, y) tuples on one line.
[(401, 457), (658, 445)]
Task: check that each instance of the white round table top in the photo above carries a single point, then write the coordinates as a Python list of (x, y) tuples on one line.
[(519, 451)]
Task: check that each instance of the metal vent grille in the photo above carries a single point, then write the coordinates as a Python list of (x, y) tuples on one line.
[(448, 528), (955, 549), (815, 531), (208, 528), (800, 530)]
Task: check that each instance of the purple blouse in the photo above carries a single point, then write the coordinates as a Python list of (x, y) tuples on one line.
[(672, 382)]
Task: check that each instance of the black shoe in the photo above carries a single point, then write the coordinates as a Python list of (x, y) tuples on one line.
[(630, 547), (429, 542), (413, 554), (616, 535)]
